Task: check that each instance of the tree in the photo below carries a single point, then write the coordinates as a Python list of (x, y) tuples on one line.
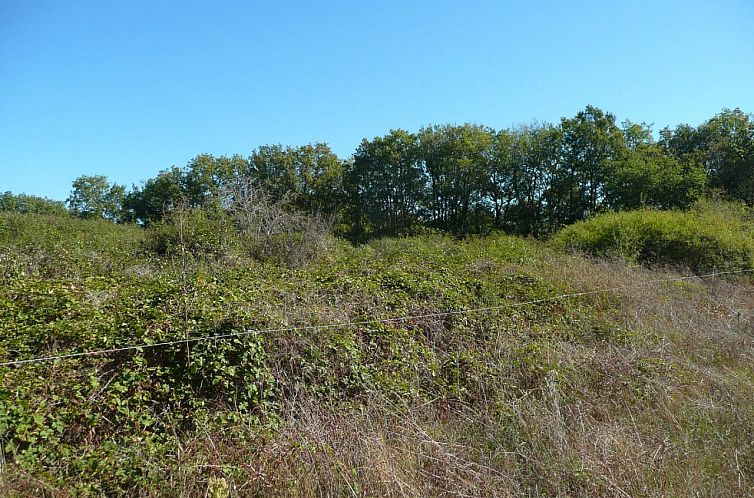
[(648, 177), (206, 176), (386, 184), (94, 197), (537, 150), (318, 178), (158, 195), (23, 203), (724, 144), (591, 142), (273, 169), (309, 177), (457, 159), (728, 143), (502, 174)]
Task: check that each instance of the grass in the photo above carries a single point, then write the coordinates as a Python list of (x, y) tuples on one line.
[(641, 391)]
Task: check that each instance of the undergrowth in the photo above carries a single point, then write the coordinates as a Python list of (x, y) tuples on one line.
[(645, 391)]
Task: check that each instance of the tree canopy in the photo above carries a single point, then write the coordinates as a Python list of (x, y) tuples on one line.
[(461, 179)]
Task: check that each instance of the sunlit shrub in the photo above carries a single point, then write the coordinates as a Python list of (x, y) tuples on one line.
[(705, 239)]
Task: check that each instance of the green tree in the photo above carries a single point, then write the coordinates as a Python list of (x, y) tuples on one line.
[(724, 144), (206, 177), (273, 169), (591, 143), (502, 174), (319, 179), (95, 197), (308, 177), (648, 177), (23, 203), (457, 161), (386, 185), (157, 196), (728, 153), (537, 150)]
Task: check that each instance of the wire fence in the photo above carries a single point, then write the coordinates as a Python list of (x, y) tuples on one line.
[(303, 328)]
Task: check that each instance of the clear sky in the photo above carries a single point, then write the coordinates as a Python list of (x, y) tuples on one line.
[(127, 88)]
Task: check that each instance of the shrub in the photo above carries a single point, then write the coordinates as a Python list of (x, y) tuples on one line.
[(705, 239), (42, 244), (273, 230), (252, 226), (195, 232)]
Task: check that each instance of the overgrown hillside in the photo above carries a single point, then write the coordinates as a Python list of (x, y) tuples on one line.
[(422, 366)]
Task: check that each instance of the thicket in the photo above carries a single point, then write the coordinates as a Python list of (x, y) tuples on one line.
[(240, 223), (464, 402), (710, 237), (61, 245), (93, 285)]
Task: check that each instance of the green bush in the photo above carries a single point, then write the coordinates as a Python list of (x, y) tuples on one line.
[(32, 204), (265, 232), (196, 232), (52, 245), (125, 423), (707, 238)]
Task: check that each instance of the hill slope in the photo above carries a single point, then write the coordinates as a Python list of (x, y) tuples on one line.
[(645, 389)]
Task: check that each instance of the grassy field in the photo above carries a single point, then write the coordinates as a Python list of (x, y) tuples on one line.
[(647, 389)]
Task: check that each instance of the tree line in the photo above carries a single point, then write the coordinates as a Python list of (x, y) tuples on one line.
[(461, 179)]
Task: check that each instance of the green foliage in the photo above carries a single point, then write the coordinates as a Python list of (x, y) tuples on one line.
[(728, 152), (100, 420), (91, 412), (42, 245), (724, 144), (156, 197), (590, 143), (252, 227), (235, 248), (191, 232), (309, 177), (704, 240), (649, 178), (31, 204), (94, 197), (530, 198), (456, 160), (386, 185), (460, 179)]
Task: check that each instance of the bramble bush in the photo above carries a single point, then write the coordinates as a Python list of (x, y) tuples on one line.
[(53, 245), (90, 416), (195, 232)]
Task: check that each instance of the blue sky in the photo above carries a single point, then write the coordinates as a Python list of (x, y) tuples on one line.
[(127, 88)]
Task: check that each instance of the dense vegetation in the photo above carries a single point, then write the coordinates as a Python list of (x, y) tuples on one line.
[(570, 395), (466, 179), (250, 349), (24, 203), (706, 239)]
